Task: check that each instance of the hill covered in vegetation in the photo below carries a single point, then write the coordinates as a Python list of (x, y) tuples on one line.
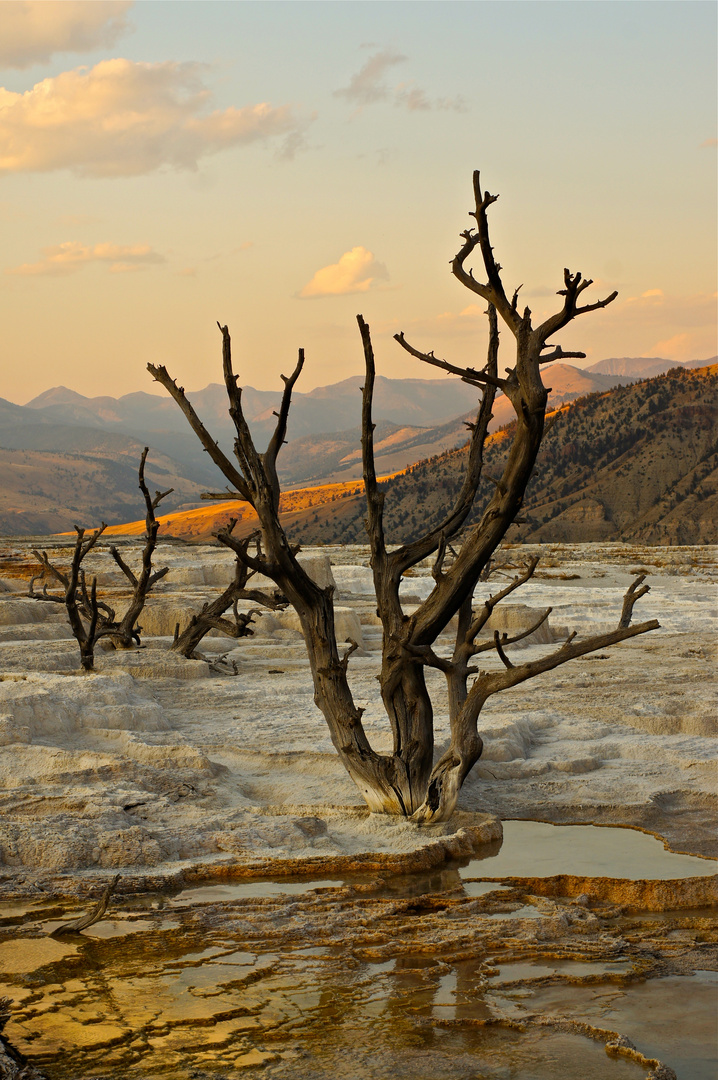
[(637, 462)]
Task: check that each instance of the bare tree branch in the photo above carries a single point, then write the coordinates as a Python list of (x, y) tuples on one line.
[(506, 640), (493, 291), (574, 285), (161, 375), (559, 354), (92, 916), (412, 553), (467, 375), (633, 593), (497, 644), (210, 617), (280, 432), (374, 497)]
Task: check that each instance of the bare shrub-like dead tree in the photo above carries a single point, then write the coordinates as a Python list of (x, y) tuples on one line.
[(86, 614), (127, 630), (91, 619), (212, 615), (406, 781)]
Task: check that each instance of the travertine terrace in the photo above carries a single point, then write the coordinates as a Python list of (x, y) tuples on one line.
[(196, 780)]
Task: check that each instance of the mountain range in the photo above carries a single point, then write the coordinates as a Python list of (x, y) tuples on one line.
[(635, 463), (67, 458)]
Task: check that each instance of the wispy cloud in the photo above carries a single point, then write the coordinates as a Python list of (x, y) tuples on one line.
[(678, 327), (31, 31), (122, 118), (649, 298), (356, 271), (68, 258), (368, 87), (710, 142)]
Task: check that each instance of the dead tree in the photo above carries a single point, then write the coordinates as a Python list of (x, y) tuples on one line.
[(211, 617), (86, 614), (406, 781), (128, 632), (91, 619)]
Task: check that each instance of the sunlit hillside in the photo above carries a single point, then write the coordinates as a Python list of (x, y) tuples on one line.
[(203, 522)]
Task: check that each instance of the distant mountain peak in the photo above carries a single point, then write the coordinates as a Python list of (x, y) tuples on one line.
[(641, 367), (57, 395)]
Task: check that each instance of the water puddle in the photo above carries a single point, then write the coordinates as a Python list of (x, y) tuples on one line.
[(672, 1018), (413, 976), (539, 849), (242, 890), (29, 954), (525, 911), (527, 972)]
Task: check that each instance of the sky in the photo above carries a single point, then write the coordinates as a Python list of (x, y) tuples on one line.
[(281, 167)]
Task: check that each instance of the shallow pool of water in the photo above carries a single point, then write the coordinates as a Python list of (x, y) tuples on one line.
[(539, 849), (294, 980), (240, 890), (674, 1019)]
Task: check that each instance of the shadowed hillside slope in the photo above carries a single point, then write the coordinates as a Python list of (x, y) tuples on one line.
[(51, 489)]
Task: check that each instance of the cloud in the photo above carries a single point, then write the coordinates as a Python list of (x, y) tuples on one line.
[(412, 98), (678, 327), (122, 118), (454, 104), (366, 86), (31, 31), (68, 258), (356, 271), (649, 298), (678, 347), (710, 142)]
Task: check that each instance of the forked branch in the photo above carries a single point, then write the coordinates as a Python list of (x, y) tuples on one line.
[(634, 592), (467, 375), (410, 554), (162, 376), (494, 682), (574, 286), (465, 748), (211, 617), (493, 290)]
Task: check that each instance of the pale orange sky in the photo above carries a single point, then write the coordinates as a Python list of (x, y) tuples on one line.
[(283, 166)]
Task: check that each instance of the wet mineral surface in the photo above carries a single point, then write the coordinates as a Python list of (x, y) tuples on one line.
[(534, 975)]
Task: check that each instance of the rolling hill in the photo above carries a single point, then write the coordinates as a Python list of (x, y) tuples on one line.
[(47, 490), (638, 462), (334, 457), (66, 457)]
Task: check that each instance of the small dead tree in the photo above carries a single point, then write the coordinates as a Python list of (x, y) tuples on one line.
[(86, 614), (211, 617), (91, 619), (128, 632), (407, 781)]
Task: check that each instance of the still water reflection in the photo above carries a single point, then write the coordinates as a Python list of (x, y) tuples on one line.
[(412, 976)]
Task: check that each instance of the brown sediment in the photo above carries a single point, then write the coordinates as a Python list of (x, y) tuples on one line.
[(475, 832), (641, 895), (183, 997)]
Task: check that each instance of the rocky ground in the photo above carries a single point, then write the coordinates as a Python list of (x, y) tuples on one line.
[(175, 772)]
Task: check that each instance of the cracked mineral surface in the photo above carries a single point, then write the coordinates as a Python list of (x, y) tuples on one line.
[(266, 925)]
